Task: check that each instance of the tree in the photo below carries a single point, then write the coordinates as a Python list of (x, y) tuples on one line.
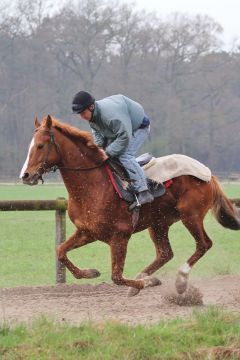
[(82, 38)]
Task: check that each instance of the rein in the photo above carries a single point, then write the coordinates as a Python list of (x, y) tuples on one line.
[(80, 168), (43, 168)]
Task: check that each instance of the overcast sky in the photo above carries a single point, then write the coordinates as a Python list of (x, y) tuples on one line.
[(225, 12)]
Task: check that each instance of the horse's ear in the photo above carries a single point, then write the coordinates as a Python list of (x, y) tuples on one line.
[(48, 123), (37, 123)]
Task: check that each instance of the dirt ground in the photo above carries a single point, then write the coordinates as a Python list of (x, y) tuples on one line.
[(76, 304)]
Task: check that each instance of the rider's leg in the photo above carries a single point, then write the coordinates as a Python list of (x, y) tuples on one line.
[(135, 171)]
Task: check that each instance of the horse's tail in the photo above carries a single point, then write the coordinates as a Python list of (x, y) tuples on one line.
[(227, 214)]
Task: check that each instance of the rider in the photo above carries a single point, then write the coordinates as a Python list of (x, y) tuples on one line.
[(119, 126)]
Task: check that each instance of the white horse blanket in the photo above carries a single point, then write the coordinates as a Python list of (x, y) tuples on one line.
[(171, 166)]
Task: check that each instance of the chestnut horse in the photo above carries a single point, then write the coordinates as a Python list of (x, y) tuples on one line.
[(99, 214)]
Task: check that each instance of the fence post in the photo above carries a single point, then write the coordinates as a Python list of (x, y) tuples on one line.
[(60, 238)]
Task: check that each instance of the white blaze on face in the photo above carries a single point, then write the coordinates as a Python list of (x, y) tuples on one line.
[(27, 159)]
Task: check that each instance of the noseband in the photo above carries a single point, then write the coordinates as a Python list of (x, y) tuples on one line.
[(44, 168)]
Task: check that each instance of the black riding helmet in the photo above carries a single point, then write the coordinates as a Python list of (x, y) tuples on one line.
[(81, 101)]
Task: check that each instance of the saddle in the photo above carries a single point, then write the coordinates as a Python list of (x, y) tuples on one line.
[(122, 182)]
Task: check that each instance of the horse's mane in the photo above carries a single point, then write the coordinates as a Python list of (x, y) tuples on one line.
[(74, 133)]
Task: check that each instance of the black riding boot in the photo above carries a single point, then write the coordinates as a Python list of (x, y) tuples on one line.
[(145, 197)]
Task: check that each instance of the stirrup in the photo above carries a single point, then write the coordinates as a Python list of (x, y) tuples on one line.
[(135, 204)]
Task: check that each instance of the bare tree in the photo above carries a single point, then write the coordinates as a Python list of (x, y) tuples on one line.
[(129, 24), (82, 38), (174, 67), (186, 40)]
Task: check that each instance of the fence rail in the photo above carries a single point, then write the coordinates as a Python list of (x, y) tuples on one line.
[(60, 206), (20, 205)]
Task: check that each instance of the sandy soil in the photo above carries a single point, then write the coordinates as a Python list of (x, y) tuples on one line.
[(83, 303)]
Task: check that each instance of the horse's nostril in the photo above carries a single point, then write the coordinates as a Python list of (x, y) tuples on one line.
[(25, 176)]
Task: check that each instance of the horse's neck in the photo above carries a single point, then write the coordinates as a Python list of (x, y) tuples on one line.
[(79, 156)]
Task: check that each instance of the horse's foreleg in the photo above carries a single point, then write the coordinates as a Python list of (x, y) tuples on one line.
[(118, 255), (79, 238), (203, 244), (159, 236)]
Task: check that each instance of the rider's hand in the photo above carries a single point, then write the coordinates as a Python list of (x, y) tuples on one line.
[(104, 155)]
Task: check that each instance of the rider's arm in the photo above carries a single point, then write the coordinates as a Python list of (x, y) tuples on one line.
[(120, 143), (99, 139)]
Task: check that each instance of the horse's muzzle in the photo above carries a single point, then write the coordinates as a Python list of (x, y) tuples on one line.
[(28, 179)]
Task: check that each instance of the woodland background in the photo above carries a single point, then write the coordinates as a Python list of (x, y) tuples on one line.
[(177, 68)]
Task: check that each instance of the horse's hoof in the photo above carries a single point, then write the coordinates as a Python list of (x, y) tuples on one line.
[(141, 275), (181, 283), (86, 274), (156, 281), (151, 281), (92, 273), (181, 288), (133, 292)]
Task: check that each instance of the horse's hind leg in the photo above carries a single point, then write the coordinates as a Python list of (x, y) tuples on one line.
[(164, 253), (118, 247), (194, 224), (159, 236), (79, 238)]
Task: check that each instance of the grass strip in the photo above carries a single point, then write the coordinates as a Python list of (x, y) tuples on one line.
[(207, 333)]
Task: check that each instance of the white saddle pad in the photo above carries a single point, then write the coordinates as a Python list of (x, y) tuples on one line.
[(171, 166)]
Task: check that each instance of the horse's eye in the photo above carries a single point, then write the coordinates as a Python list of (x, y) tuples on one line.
[(40, 146)]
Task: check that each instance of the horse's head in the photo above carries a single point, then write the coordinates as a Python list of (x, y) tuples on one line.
[(43, 153)]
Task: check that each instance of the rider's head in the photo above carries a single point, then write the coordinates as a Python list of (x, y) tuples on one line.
[(83, 103)]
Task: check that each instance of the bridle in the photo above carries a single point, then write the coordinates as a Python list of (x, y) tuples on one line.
[(44, 168)]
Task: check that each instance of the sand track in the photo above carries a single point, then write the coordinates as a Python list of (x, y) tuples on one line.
[(83, 303)]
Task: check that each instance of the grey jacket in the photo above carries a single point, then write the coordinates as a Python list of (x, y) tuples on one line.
[(115, 118)]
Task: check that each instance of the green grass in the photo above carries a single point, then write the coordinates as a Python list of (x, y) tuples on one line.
[(176, 339), (27, 244), (39, 192)]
